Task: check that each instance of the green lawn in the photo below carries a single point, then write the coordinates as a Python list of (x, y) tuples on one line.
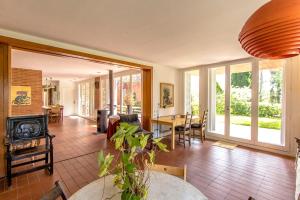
[(271, 123)]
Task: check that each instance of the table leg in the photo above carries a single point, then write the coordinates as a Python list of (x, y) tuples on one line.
[(62, 114), (173, 137)]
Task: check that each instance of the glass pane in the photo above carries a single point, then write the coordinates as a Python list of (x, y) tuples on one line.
[(127, 98), (87, 100), (79, 99), (117, 95), (217, 100), (104, 94), (240, 100), (192, 92), (270, 102), (136, 88), (82, 99)]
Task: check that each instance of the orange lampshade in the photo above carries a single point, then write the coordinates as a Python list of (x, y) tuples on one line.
[(273, 31)]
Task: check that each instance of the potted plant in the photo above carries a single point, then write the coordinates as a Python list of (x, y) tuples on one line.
[(128, 99), (129, 174)]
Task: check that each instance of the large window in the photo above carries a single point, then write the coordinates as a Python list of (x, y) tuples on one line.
[(192, 92)]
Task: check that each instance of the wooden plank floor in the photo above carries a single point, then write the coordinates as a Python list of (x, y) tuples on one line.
[(217, 172)]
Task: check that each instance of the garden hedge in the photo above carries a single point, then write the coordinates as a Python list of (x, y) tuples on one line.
[(243, 108)]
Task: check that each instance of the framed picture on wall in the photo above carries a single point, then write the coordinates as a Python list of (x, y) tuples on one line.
[(20, 95), (166, 95)]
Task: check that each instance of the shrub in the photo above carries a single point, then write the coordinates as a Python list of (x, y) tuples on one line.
[(220, 104), (243, 108), (195, 109), (269, 110), (240, 107)]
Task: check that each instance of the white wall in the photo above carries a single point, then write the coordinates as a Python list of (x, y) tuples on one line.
[(67, 96), (292, 103), (163, 74)]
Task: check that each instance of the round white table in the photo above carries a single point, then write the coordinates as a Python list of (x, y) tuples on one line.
[(162, 187)]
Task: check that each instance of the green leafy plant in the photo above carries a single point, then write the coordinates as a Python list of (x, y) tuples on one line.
[(129, 175)]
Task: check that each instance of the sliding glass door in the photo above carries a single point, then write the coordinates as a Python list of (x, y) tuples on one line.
[(246, 102)]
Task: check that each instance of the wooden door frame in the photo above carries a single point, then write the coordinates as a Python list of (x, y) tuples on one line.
[(13, 43), (4, 99)]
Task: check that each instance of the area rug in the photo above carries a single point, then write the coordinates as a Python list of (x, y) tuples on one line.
[(225, 145)]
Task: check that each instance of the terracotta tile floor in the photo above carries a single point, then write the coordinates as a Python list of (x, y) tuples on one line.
[(219, 173)]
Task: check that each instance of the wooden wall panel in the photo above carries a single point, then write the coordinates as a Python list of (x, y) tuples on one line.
[(4, 99), (146, 98)]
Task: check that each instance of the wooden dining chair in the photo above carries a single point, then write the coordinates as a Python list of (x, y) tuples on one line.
[(184, 131), (201, 127), (54, 114), (54, 193), (175, 171)]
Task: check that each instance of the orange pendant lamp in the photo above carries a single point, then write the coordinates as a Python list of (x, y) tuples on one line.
[(273, 31)]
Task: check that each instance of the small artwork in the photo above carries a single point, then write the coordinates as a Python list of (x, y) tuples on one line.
[(21, 95), (166, 95)]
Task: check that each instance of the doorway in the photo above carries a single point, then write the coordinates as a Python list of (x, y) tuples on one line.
[(8, 43)]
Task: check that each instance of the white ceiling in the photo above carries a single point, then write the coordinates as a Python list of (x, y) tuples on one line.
[(60, 67), (178, 33)]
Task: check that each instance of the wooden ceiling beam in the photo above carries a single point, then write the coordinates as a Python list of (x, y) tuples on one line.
[(57, 51)]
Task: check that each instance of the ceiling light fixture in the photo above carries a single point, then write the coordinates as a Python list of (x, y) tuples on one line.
[(48, 84), (273, 31)]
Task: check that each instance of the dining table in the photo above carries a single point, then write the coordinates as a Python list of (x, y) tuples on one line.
[(47, 109), (162, 186), (171, 121)]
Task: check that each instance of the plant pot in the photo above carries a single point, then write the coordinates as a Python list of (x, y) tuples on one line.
[(129, 109), (128, 196)]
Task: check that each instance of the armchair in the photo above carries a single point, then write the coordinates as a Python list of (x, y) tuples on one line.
[(22, 141), (134, 120)]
